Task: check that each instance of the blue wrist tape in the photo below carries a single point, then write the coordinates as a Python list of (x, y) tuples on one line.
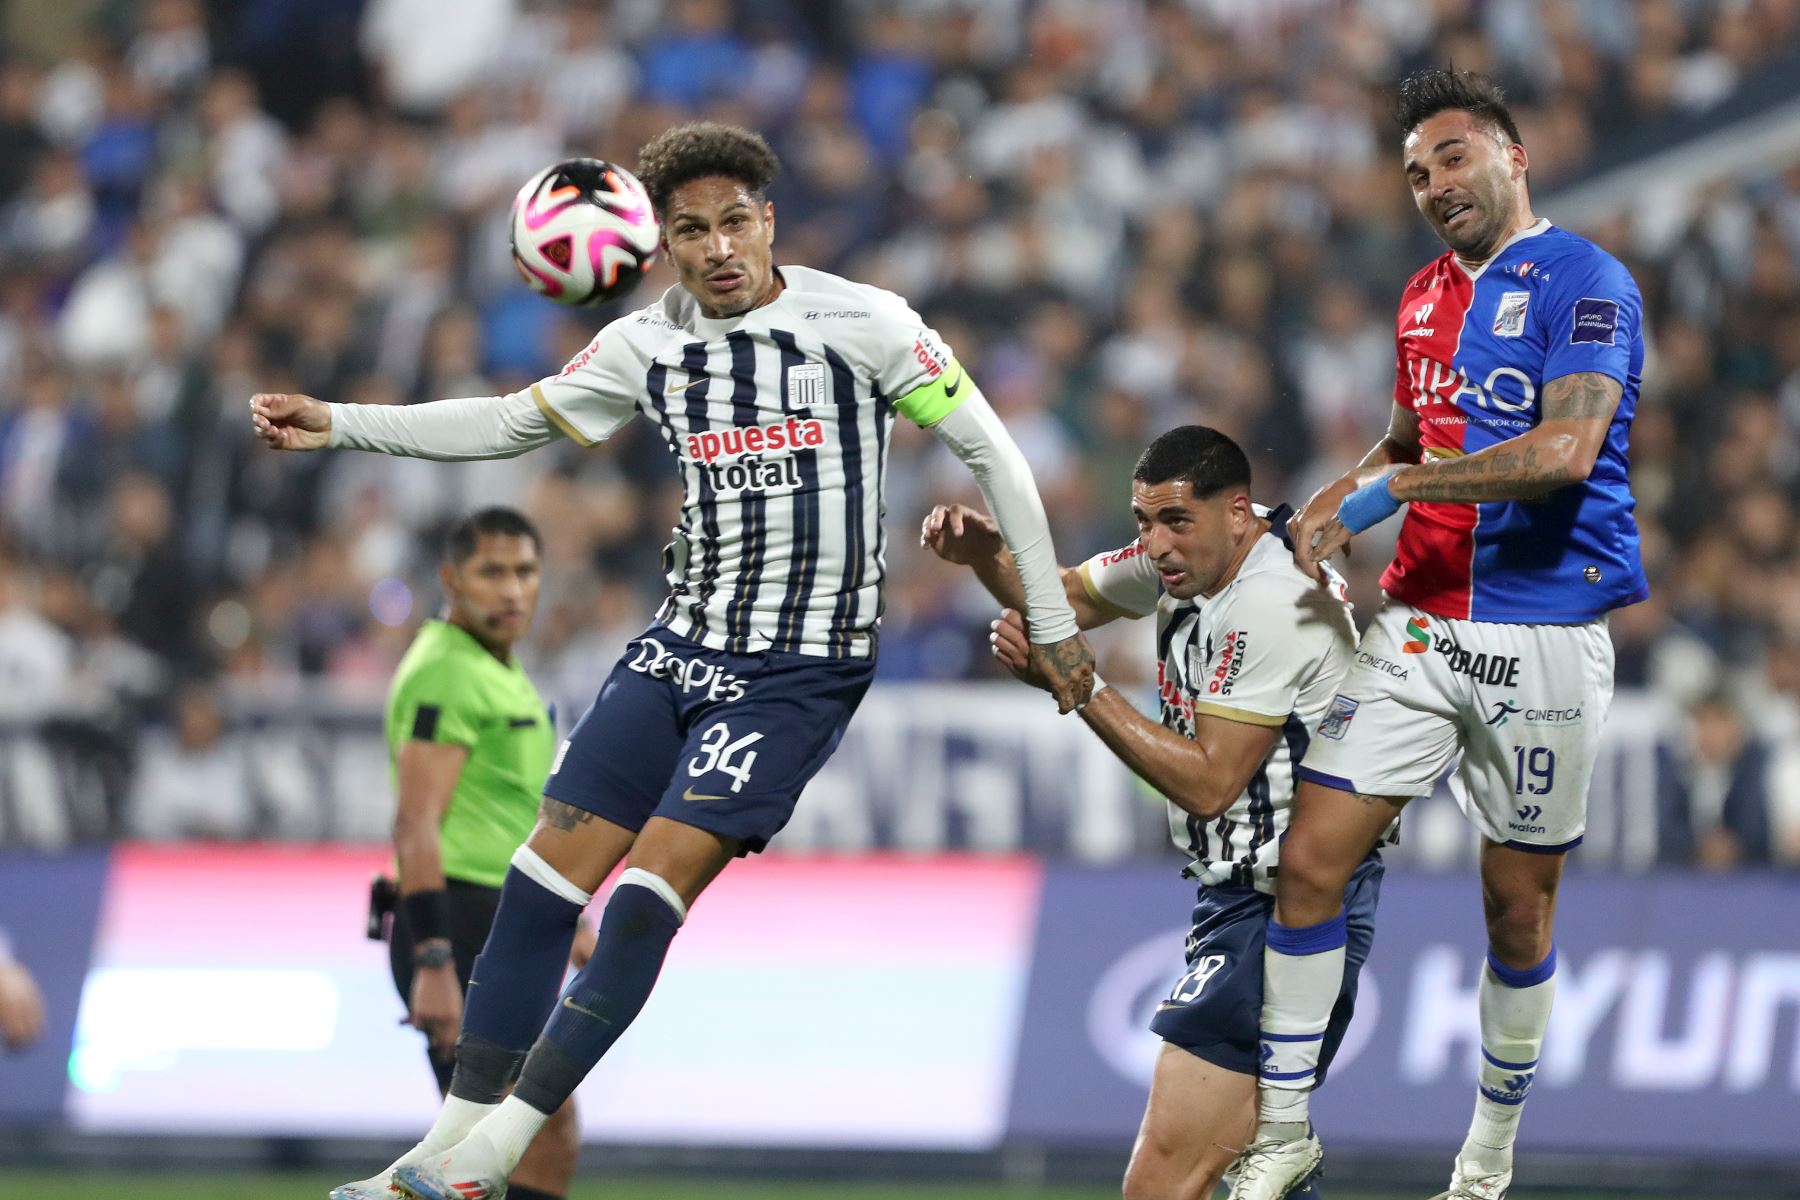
[(1370, 504)]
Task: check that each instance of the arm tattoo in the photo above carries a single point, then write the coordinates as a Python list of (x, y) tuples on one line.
[(1514, 470), (562, 816), (1585, 396)]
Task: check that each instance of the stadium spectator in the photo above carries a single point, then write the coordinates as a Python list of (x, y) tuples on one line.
[(1714, 805)]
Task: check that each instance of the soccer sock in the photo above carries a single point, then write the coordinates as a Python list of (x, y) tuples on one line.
[(640, 921), (1515, 1010), (517, 976), (515, 1192), (1303, 971), (454, 1120)]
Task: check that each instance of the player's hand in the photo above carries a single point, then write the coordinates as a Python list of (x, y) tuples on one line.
[(959, 534), (437, 1006), (1067, 668), (1012, 647), (582, 948), (1317, 533), (290, 422), (21, 1007)]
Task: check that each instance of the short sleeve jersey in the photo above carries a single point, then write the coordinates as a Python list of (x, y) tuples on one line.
[(450, 690), (779, 422), (1475, 351), (1269, 649)]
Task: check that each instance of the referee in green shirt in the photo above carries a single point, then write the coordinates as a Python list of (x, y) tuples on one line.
[(470, 744)]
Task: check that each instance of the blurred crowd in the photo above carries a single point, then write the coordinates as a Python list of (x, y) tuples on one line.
[(1122, 214)]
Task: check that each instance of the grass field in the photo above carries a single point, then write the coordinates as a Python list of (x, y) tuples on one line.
[(39, 1185)]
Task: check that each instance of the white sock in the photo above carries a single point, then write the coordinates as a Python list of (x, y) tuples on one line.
[(454, 1120), (1303, 971), (1515, 1010), (510, 1127)]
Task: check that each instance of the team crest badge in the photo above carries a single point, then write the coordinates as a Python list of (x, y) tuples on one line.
[(1509, 319), (805, 385), (1338, 717)]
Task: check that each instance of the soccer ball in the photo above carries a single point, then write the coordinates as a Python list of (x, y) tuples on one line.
[(583, 231)]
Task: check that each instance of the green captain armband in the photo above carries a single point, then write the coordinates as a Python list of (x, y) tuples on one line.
[(930, 403)]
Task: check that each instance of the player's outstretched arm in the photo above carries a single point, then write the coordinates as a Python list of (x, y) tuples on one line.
[(1058, 651), (1203, 775), (472, 427), (959, 534)]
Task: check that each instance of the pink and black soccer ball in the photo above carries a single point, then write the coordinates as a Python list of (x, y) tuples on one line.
[(583, 231)]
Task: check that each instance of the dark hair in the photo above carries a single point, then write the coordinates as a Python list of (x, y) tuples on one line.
[(1205, 459), (1426, 93), (702, 148), (504, 522)]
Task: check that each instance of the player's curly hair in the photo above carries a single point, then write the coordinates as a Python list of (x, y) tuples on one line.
[(701, 148), (1207, 460), (1428, 92)]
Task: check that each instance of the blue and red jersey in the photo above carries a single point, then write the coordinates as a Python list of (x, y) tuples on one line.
[(1476, 349)]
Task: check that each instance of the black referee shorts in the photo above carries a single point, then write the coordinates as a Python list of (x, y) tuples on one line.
[(472, 909)]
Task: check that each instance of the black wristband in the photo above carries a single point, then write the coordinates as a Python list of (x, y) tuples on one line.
[(427, 914)]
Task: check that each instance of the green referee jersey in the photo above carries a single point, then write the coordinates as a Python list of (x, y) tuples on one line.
[(449, 689)]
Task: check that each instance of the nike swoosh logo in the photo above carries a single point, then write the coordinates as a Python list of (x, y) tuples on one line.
[(691, 794), (681, 388), (950, 389), (569, 1002)]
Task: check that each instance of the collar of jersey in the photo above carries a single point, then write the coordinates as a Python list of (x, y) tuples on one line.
[(1530, 231)]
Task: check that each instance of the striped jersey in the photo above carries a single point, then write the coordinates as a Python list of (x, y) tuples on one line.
[(1475, 350), (1269, 649), (779, 421)]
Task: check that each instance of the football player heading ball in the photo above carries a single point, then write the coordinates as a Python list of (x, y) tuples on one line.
[(775, 389)]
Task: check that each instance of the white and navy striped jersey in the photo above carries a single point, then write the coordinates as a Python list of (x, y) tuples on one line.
[(1268, 649), (779, 422)]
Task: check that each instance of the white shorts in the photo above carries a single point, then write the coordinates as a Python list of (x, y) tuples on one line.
[(1523, 703)]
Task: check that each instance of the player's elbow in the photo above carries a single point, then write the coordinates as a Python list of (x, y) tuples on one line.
[(1207, 803), (1571, 457)]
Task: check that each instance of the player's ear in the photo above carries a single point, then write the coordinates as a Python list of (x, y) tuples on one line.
[(769, 219), (447, 580), (1520, 162), (1241, 511)]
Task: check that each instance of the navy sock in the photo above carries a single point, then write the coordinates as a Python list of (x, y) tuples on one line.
[(513, 986), (605, 997), (515, 1192)]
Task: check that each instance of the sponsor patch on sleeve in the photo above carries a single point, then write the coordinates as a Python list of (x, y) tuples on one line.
[(1596, 320)]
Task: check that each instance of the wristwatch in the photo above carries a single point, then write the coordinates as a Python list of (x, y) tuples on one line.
[(432, 954)]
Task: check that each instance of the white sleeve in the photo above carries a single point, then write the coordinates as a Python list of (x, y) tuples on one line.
[(1124, 580), (974, 434), (597, 392), (449, 430), (1261, 655)]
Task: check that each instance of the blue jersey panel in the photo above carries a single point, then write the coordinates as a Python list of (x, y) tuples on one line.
[(1547, 306)]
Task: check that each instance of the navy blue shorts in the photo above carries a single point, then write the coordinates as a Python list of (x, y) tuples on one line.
[(724, 742), (1215, 1009)]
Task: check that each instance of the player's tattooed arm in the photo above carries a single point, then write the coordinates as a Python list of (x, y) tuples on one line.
[(1577, 412)]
